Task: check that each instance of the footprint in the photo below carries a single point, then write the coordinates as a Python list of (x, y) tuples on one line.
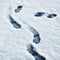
[(39, 14), (51, 15), (31, 49), (14, 23), (18, 9)]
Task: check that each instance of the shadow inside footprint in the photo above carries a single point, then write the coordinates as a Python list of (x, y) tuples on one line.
[(37, 56), (36, 39)]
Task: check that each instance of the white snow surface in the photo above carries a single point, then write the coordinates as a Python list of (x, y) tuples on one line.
[(13, 41)]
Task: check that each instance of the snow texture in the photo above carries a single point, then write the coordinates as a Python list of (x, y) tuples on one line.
[(13, 42)]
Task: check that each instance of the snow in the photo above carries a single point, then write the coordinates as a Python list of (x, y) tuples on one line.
[(13, 42)]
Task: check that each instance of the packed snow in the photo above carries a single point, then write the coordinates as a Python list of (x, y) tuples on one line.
[(13, 42)]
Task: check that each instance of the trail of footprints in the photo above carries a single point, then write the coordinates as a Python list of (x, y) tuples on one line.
[(40, 14), (30, 48)]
